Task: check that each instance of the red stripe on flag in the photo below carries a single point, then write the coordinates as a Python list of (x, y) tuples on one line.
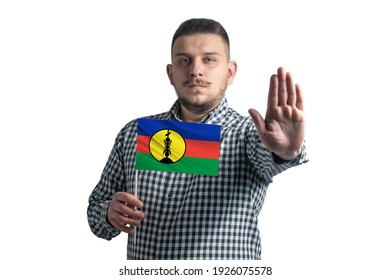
[(143, 144), (202, 149), (194, 148)]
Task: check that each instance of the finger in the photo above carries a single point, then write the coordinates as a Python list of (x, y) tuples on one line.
[(120, 213), (130, 211), (128, 198), (258, 121), (273, 92), (124, 227), (291, 94), (126, 220), (299, 103), (282, 87), (122, 222)]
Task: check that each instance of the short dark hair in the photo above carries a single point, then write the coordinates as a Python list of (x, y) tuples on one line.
[(201, 25)]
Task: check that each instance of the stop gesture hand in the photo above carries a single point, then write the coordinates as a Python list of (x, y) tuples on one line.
[(282, 131)]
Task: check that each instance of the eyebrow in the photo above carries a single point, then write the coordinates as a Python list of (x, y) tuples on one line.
[(187, 54)]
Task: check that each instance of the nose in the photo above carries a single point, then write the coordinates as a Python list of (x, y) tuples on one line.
[(196, 69)]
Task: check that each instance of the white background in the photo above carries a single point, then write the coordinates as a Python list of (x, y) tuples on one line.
[(73, 73)]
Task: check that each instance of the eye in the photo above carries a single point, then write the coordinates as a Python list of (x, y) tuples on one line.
[(209, 59), (183, 60)]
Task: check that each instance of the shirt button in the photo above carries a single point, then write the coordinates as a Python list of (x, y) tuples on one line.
[(163, 228), (170, 194)]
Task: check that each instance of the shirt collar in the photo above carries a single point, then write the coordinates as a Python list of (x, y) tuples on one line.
[(214, 117)]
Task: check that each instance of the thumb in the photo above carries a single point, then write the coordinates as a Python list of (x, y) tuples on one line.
[(258, 120)]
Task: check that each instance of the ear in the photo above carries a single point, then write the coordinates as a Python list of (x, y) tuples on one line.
[(232, 68), (169, 72)]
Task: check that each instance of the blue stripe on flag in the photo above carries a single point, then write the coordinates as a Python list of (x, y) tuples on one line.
[(188, 130)]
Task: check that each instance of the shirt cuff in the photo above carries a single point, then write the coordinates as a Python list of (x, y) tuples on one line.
[(104, 220), (278, 160)]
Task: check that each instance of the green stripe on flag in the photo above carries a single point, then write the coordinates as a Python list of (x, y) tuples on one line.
[(204, 166)]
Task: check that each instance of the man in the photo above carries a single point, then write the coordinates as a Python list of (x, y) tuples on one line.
[(189, 216)]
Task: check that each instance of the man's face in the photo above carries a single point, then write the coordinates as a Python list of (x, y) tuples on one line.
[(200, 71)]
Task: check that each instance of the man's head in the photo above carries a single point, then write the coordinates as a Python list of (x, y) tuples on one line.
[(202, 25), (201, 68)]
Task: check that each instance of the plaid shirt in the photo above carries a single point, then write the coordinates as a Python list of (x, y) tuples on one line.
[(191, 216)]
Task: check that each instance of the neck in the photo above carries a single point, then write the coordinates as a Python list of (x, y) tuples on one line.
[(189, 116), (192, 113)]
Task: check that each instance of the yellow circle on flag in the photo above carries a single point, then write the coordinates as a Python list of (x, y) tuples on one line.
[(167, 146)]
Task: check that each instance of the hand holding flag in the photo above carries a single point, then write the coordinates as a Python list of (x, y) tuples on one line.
[(122, 212)]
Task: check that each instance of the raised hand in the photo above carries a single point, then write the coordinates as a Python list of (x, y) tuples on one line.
[(283, 129)]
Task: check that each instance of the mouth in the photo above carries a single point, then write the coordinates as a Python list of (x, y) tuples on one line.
[(197, 84)]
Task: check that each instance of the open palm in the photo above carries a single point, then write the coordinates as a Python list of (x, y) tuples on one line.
[(282, 130)]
